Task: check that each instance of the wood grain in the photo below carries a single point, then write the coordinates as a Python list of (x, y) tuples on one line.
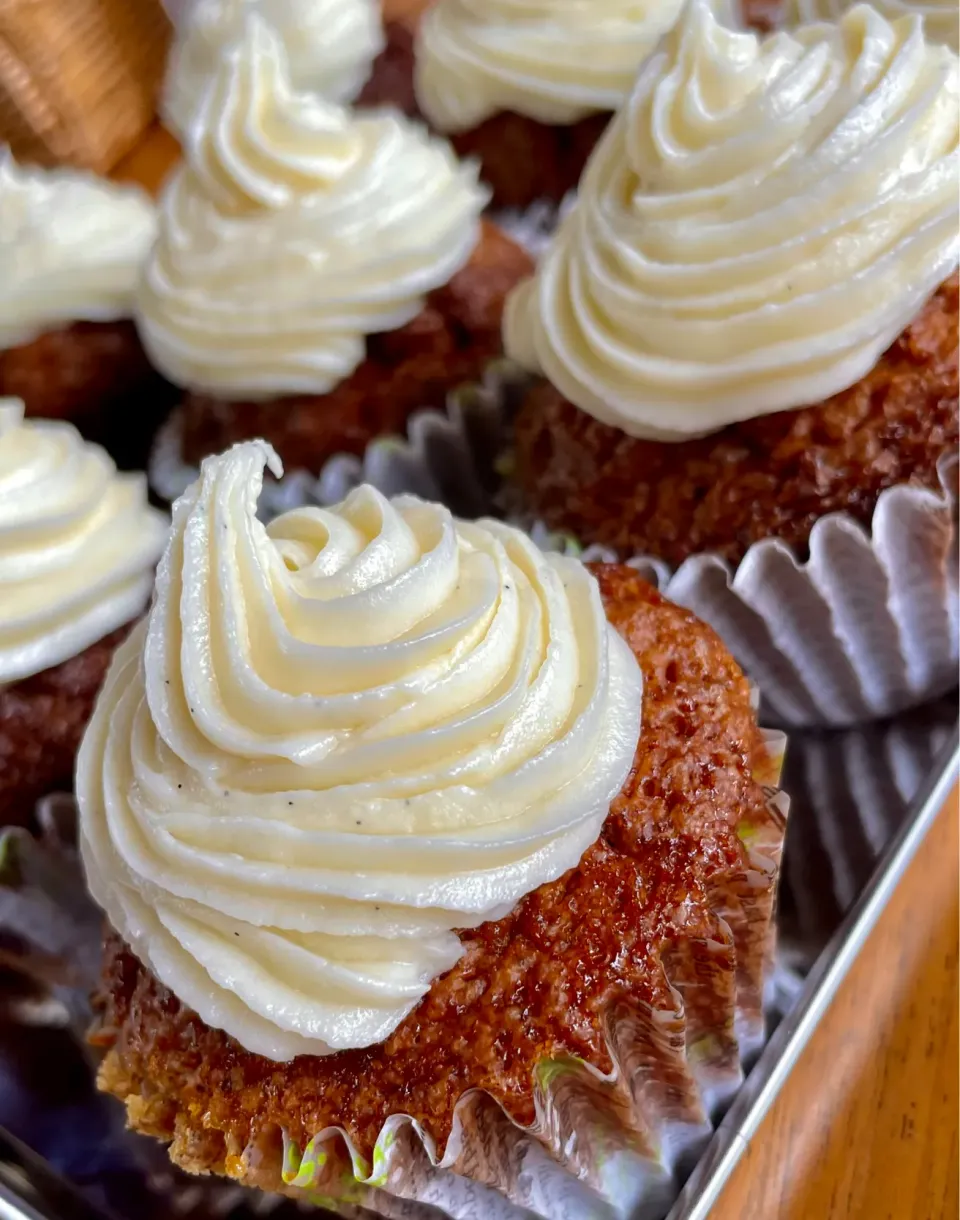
[(866, 1127)]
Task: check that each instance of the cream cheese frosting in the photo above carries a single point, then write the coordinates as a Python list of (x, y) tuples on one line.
[(330, 46), (78, 544), (295, 230), (757, 225), (337, 739), (941, 18), (71, 248), (556, 61)]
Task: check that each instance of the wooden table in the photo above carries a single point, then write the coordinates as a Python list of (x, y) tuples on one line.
[(866, 1127)]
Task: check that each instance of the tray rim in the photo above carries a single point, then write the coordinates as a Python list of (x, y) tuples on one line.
[(783, 1049)]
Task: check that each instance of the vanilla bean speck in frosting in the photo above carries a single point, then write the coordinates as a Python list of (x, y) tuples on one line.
[(330, 45), (71, 248), (941, 18), (757, 225), (294, 230), (556, 61), (336, 739), (78, 544)]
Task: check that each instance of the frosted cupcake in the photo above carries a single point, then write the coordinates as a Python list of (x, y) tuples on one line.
[(529, 88), (743, 344), (330, 47), (941, 18), (71, 249), (78, 544), (750, 319), (319, 274), (391, 815)]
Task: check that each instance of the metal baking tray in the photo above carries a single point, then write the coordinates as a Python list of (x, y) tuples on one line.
[(909, 766)]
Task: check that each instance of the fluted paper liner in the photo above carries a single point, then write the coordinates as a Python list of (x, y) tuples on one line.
[(850, 792), (862, 630), (447, 455)]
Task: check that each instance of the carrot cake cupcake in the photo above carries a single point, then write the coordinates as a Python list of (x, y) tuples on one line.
[(78, 544), (319, 274), (330, 45), (71, 249), (749, 321), (385, 808), (529, 89)]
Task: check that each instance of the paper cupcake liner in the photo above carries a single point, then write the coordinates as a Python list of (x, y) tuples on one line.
[(850, 792), (862, 630), (533, 227), (445, 455)]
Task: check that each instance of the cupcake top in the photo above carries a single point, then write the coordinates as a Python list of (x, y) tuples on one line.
[(330, 45), (555, 61), (941, 20), (294, 230), (71, 247), (78, 544), (336, 739), (756, 226)]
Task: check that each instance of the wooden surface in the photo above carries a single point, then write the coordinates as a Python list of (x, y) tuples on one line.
[(866, 1127)]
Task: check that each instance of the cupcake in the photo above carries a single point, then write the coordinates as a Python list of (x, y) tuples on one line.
[(529, 89), (941, 20), (395, 815), (78, 544), (750, 319), (319, 275), (743, 343), (330, 47), (71, 248)]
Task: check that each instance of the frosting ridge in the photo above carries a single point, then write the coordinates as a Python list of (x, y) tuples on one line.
[(330, 45), (293, 231), (552, 61), (756, 226), (71, 247), (78, 543), (381, 725), (941, 20)]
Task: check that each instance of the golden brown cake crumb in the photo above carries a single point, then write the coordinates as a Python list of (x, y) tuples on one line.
[(534, 984), (391, 77), (75, 372), (769, 477), (42, 719)]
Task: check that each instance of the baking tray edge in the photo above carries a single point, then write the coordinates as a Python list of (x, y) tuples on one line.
[(763, 1084)]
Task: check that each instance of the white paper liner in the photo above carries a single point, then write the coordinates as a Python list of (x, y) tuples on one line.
[(443, 456), (533, 227), (850, 792), (865, 628)]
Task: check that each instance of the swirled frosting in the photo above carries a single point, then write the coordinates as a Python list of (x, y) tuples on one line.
[(337, 739), (755, 228), (941, 19), (71, 247), (294, 231), (330, 46), (78, 544), (555, 61)]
